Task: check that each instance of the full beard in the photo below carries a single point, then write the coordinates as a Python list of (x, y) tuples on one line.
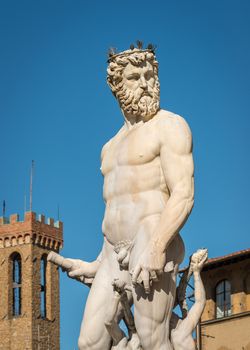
[(139, 104)]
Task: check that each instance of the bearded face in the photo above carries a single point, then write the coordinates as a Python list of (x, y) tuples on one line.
[(138, 92)]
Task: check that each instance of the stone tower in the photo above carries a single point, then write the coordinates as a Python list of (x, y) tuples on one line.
[(29, 286)]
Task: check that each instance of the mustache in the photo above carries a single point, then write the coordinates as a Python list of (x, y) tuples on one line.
[(146, 92)]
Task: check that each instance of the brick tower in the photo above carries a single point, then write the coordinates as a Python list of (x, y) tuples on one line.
[(29, 286)]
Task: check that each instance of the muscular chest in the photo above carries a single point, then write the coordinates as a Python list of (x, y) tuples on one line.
[(136, 147)]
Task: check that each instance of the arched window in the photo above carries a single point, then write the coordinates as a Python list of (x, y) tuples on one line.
[(223, 299), (16, 284), (43, 286)]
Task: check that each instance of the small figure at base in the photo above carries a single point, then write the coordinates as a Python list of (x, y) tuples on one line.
[(181, 332)]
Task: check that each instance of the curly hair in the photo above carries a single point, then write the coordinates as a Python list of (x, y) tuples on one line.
[(128, 101), (118, 63)]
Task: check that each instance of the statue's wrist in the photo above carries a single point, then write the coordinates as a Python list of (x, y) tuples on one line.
[(196, 273), (157, 246)]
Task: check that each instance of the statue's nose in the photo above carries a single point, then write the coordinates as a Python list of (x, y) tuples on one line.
[(143, 83)]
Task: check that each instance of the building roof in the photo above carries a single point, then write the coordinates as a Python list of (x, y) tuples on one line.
[(227, 259), (223, 260)]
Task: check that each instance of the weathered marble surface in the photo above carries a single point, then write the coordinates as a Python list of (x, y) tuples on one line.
[(149, 193)]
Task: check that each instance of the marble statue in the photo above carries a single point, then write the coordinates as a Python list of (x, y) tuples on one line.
[(149, 193), (181, 328)]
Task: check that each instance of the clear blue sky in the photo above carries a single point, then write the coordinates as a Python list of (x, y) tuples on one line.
[(56, 108)]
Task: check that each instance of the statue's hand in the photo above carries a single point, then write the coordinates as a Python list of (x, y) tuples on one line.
[(198, 259), (150, 265), (83, 270)]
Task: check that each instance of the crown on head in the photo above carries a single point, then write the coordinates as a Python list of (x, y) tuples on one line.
[(112, 53)]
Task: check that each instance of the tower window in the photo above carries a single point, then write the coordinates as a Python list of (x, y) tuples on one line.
[(223, 299), (43, 286), (16, 284)]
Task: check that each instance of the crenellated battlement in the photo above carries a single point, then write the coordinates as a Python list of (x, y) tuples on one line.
[(31, 217), (33, 229)]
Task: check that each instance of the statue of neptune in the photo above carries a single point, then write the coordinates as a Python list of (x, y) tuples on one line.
[(149, 192)]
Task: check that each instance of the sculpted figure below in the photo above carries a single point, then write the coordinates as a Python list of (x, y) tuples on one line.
[(148, 191), (180, 328)]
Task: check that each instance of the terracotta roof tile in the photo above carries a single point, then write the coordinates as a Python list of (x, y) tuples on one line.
[(228, 256), (223, 258)]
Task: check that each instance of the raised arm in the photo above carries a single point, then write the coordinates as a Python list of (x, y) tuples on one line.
[(186, 327), (177, 165)]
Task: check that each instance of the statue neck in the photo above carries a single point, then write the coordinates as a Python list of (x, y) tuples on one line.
[(131, 120)]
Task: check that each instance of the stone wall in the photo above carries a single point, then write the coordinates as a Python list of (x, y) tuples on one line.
[(231, 332), (238, 275), (32, 239)]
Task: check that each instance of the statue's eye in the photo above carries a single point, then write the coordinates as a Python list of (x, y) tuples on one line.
[(148, 75), (133, 77)]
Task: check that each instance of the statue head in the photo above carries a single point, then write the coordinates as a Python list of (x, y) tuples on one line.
[(133, 79)]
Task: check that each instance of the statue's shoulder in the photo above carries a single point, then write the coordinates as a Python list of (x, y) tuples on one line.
[(173, 129), (169, 119)]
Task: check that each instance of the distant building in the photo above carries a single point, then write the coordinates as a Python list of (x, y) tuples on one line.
[(29, 287), (225, 322)]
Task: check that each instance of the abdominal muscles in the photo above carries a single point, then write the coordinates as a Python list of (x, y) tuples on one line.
[(124, 215), (132, 194)]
